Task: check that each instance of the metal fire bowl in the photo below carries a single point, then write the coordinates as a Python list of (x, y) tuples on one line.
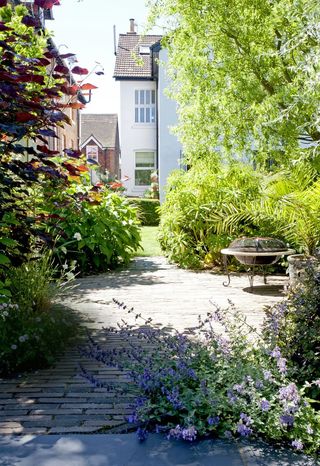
[(257, 258)]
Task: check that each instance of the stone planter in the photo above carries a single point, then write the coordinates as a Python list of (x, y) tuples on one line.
[(297, 267)]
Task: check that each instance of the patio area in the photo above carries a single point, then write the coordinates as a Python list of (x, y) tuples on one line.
[(58, 401)]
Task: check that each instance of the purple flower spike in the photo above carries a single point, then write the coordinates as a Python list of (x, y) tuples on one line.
[(287, 420), (244, 430), (265, 405), (297, 444), (289, 393), (213, 421), (189, 434)]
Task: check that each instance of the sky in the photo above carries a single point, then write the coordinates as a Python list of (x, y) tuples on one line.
[(86, 28)]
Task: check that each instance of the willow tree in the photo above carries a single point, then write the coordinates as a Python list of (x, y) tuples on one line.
[(246, 76)]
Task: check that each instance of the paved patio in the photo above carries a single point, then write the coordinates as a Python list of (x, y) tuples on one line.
[(58, 401), (125, 450)]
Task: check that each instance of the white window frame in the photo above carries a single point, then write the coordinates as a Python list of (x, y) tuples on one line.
[(140, 168), (145, 106), (92, 152)]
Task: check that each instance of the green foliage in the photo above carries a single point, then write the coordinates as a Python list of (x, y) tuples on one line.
[(294, 326), (29, 111), (34, 284), (289, 204), (98, 232), (195, 207), (206, 209), (222, 379), (245, 76), (33, 332), (148, 210)]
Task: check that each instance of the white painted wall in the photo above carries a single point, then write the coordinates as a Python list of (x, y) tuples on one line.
[(133, 136), (169, 147)]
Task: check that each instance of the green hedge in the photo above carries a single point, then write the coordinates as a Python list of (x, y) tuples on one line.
[(148, 210)]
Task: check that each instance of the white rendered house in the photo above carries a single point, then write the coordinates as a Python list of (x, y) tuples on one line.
[(146, 114)]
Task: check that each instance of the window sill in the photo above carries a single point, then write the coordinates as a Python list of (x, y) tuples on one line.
[(143, 125)]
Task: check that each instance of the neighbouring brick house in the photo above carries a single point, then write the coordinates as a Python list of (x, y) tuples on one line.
[(100, 142)]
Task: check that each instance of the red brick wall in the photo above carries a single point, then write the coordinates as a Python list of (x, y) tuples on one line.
[(108, 158)]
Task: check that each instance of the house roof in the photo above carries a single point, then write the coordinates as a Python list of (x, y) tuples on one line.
[(130, 63), (102, 127)]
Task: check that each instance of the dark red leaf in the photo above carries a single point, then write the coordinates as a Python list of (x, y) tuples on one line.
[(30, 21), (57, 116), (72, 153), (46, 3), (31, 78), (50, 54), (45, 150), (61, 69), (24, 116), (79, 70), (71, 168), (70, 90), (51, 92), (3, 27), (3, 2), (43, 61), (48, 132), (75, 105), (67, 55)]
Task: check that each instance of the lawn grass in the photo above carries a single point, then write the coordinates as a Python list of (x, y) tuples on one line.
[(149, 242)]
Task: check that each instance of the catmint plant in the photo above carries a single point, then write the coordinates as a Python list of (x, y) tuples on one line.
[(222, 379)]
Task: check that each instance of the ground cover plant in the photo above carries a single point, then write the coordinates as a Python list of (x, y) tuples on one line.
[(33, 331), (223, 380), (294, 326)]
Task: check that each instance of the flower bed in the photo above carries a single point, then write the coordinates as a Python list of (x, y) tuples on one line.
[(223, 380)]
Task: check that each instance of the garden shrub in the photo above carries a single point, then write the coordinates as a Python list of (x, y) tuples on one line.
[(223, 380), (33, 332), (148, 210), (192, 215), (207, 207), (294, 326), (97, 229)]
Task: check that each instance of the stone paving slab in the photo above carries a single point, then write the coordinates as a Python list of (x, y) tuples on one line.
[(56, 400), (125, 450)]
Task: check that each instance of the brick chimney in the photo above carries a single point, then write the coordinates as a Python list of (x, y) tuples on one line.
[(132, 25)]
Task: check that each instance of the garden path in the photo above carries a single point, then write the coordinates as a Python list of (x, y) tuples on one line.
[(58, 401)]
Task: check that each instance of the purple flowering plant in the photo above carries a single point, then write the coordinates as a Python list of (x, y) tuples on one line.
[(222, 379), (293, 326)]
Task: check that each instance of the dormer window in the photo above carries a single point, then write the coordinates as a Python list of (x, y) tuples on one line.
[(144, 50)]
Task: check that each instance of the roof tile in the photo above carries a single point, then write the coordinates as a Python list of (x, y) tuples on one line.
[(102, 126), (129, 63)]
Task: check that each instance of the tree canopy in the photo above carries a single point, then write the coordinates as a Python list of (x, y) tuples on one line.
[(245, 74)]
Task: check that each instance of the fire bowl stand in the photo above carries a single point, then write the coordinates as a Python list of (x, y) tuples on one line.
[(254, 260)]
